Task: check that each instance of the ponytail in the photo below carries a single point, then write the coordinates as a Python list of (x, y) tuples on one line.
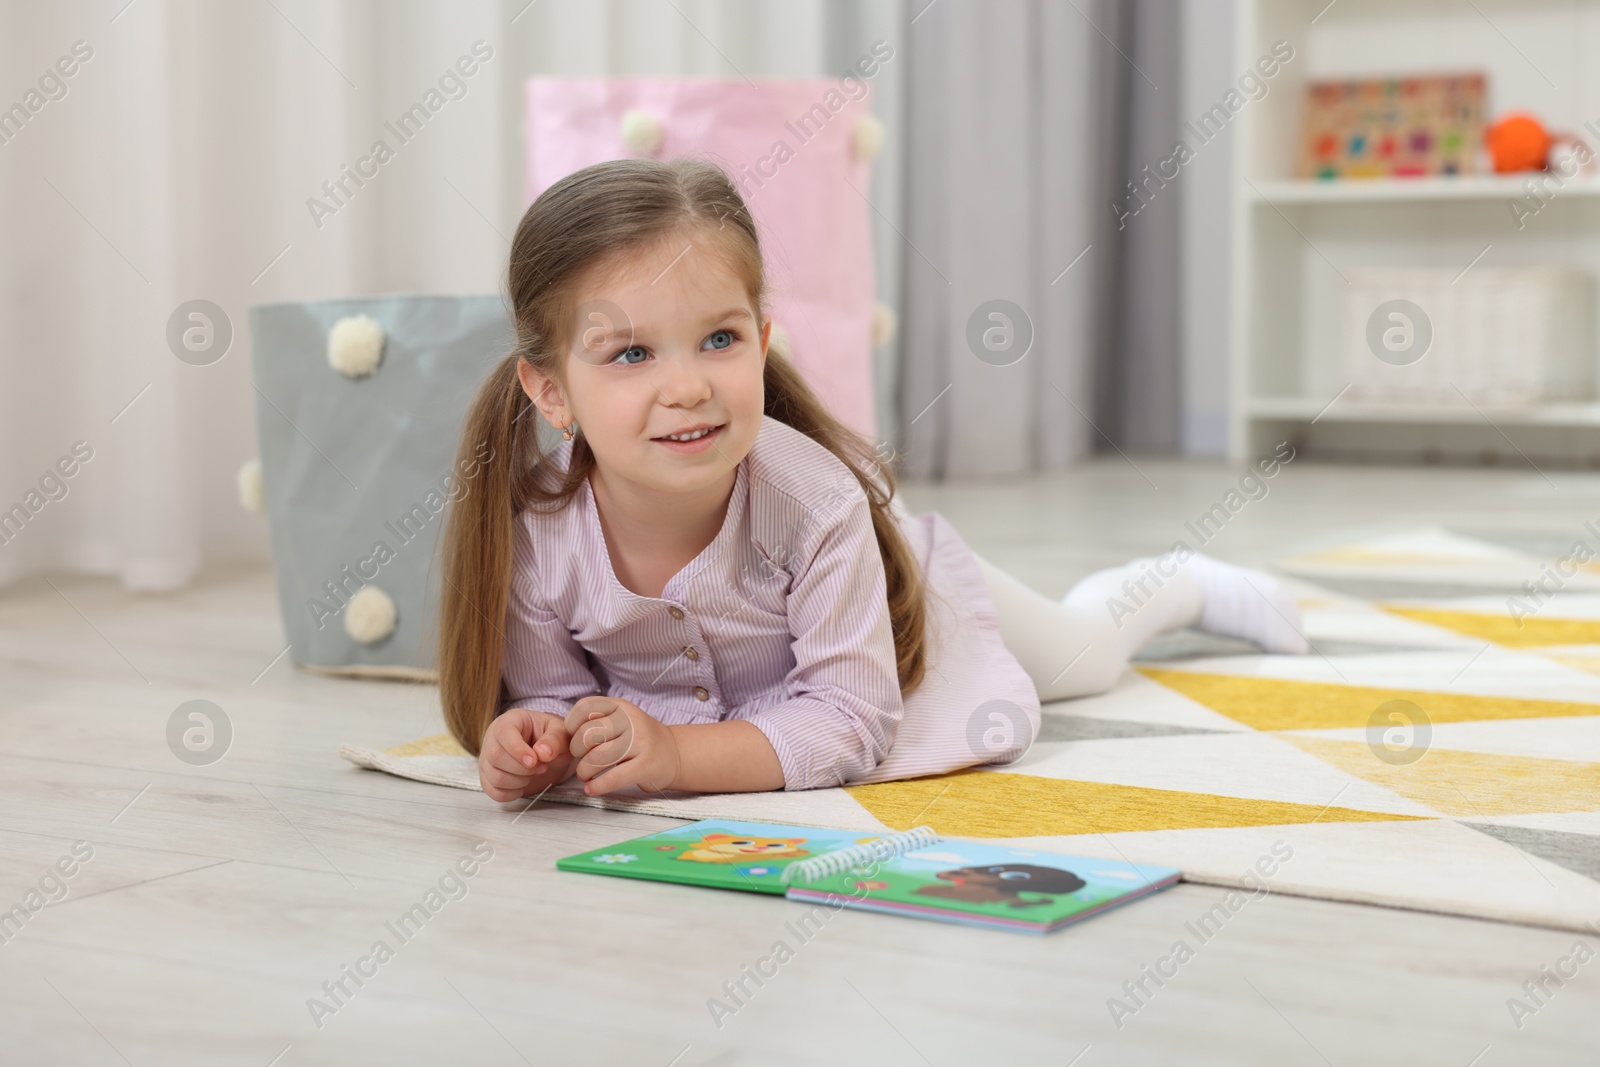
[(791, 401), (477, 547)]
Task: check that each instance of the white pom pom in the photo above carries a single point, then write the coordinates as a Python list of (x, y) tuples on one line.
[(869, 138), (252, 493), (355, 345), (884, 323), (370, 616), (778, 341), (641, 132)]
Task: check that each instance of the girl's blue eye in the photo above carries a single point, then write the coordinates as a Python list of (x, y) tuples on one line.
[(729, 334), (636, 350)]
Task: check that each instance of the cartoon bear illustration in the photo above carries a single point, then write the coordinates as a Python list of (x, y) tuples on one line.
[(726, 848), (1001, 884)]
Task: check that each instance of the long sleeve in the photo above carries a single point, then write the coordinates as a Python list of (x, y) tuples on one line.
[(844, 702), (544, 668)]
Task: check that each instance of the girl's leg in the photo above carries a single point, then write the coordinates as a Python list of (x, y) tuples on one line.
[(1081, 644), (1074, 647)]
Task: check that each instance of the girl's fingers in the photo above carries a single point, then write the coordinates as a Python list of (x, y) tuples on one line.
[(505, 776), (629, 772), (552, 742), (589, 708), (501, 786), (592, 733), (619, 777), (512, 731), (509, 753), (606, 755)]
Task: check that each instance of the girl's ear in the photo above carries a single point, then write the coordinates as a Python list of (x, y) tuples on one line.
[(546, 394), (766, 335)]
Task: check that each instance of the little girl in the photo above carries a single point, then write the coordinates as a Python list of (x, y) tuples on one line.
[(709, 584)]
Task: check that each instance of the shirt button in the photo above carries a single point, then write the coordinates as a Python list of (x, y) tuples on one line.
[(691, 652), (675, 612), (700, 693)]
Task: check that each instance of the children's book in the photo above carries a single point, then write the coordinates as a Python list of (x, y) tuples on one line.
[(915, 873)]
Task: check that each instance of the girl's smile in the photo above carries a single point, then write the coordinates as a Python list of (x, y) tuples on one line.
[(697, 438)]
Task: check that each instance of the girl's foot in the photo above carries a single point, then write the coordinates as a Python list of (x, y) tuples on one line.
[(1247, 604)]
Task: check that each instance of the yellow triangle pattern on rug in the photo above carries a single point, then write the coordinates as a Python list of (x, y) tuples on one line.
[(1469, 784), (1000, 804), (432, 745), (1382, 556), (1504, 630), (1591, 664), (1282, 704)]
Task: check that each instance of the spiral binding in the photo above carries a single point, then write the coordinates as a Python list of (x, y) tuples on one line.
[(857, 855)]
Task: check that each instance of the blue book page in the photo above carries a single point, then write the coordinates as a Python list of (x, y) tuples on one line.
[(970, 881)]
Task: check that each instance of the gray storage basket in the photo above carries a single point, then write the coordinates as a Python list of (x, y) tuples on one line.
[(351, 462)]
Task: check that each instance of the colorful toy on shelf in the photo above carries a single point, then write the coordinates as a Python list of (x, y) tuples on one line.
[(1393, 127), (1518, 142)]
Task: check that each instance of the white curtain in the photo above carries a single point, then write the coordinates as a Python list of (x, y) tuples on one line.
[(178, 165)]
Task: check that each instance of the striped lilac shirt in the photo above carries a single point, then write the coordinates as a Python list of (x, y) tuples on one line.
[(781, 621)]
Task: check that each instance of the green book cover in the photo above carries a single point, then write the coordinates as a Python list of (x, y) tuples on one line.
[(717, 852)]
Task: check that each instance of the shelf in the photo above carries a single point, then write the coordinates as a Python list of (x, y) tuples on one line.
[(1294, 245), (1377, 190), (1306, 409)]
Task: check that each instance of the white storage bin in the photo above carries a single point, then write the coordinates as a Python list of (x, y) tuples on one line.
[(1500, 336)]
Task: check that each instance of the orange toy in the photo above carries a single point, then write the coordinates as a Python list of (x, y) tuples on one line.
[(1518, 142)]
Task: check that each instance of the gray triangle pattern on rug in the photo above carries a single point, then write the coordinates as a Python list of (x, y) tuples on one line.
[(1579, 853), (1057, 727)]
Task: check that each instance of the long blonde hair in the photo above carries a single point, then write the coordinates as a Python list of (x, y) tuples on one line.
[(587, 219)]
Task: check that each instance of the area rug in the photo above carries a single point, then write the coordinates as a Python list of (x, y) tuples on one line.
[(1437, 558), (1422, 758)]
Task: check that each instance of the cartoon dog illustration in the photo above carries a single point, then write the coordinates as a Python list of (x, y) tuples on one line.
[(726, 848), (1001, 884)]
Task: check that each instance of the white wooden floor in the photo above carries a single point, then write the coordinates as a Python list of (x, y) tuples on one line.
[(220, 898)]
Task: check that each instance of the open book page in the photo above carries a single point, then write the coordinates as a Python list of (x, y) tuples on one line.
[(969, 881)]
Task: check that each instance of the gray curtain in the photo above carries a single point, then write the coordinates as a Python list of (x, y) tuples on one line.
[(1140, 375), (1018, 144)]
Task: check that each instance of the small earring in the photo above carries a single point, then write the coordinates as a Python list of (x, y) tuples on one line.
[(570, 431)]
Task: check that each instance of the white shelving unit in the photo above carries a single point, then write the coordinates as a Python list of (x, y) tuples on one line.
[(1292, 239)]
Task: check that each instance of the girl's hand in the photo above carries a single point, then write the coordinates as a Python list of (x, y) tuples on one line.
[(524, 752), (617, 744)]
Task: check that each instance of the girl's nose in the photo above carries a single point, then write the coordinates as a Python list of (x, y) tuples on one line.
[(683, 381)]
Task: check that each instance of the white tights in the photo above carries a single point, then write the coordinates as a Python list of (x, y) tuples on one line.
[(1079, 645)]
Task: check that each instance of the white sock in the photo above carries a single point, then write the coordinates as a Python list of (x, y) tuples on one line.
[(1247, 604)]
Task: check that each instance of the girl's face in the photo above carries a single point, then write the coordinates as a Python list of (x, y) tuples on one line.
[(666, 345)]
